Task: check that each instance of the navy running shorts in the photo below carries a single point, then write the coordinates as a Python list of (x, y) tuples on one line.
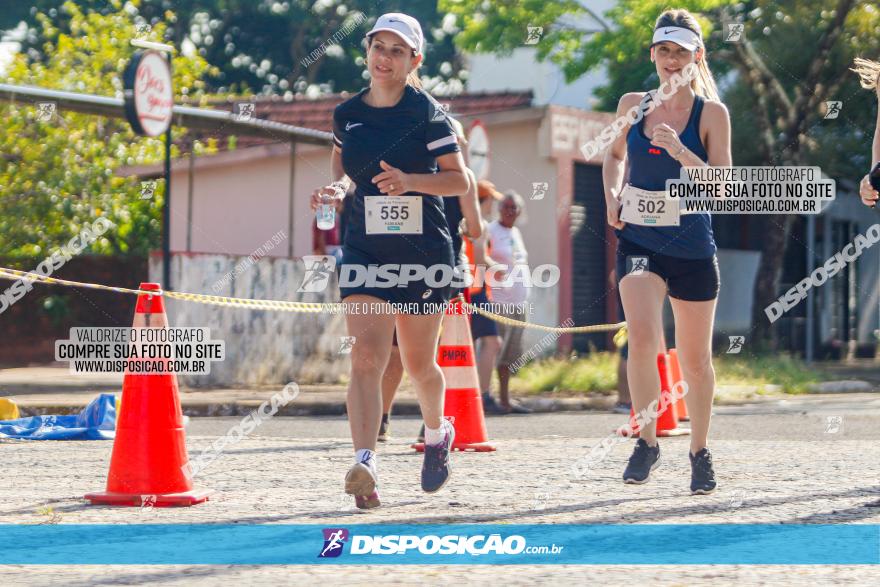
[(480, 325), (417, 297)]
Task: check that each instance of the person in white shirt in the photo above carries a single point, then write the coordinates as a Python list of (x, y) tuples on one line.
[(510, 292)]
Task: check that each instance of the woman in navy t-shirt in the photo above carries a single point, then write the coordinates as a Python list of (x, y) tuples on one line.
[(393, 139), (683, 124)]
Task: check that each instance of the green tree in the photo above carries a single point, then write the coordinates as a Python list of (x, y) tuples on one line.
[(793, 56), (57, 174), (259, 45)]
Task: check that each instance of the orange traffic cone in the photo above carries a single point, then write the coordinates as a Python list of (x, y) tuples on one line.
[(681, 408), (667, 422), (149, 453), (463, 405)]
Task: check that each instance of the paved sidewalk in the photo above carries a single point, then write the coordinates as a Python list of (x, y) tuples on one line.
[(53, 390)]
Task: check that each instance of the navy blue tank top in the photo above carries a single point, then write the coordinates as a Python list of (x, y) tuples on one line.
[(650, 167)]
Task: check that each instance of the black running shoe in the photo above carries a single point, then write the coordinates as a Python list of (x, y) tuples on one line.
[(384, 427), (702, 473), (644, 459), (436, 467)]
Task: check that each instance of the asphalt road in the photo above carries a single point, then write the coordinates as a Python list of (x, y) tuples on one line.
[(829, 417), (802, 460)]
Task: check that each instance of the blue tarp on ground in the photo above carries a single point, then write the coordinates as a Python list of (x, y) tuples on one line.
[(97, 421)]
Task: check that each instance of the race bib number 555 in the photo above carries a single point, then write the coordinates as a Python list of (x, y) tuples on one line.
[(393, 214)]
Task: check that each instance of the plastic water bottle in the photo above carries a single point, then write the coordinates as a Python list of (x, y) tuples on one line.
[(326, 215)]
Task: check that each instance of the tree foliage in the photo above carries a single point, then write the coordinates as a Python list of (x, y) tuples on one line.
[(259, 45), (57, 174)]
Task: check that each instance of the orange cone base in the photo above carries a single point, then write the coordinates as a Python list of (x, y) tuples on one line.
[(660, 433), (461, 447), (184, 499)]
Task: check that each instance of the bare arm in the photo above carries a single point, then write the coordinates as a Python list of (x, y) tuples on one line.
[(480, 255), (450, 180), (339, 178), (470, 208), (336, 167), (613, 165)]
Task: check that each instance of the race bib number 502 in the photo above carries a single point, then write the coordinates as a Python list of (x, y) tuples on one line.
[(646, 208)]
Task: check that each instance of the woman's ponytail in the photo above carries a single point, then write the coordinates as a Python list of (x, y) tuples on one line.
[(869, 72), (704, 84), (414, 80)]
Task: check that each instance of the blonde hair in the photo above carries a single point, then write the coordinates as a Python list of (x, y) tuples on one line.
[(869, 72), (704, 84), (413, 79)]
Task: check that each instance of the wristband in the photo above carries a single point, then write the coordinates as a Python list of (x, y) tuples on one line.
[(680, 151), (340, 186)]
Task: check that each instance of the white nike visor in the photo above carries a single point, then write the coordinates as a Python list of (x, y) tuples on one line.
[(683, 37)]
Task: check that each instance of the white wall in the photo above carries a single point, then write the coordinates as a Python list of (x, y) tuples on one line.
[(262, 347), (240, 201), (521, 71)]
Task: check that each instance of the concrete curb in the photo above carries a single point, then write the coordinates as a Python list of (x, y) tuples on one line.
[(333, 404), (406, 407), (844, 386)]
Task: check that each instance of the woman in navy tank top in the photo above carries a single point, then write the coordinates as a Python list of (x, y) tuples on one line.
[(683, 123), (393, 139)]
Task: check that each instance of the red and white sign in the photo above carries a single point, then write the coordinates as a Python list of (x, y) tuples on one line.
[(149, 96)]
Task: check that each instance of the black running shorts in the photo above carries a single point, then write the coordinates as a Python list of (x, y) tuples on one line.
[(691, 280)]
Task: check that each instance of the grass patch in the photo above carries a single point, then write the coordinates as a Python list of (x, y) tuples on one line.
[(793, 375), (597, 373)]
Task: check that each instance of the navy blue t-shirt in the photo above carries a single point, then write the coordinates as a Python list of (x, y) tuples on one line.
[(409, 136)]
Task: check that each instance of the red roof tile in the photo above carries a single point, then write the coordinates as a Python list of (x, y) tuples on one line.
[(318, 113)]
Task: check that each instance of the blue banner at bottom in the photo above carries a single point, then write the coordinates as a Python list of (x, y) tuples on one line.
[(533, 544)]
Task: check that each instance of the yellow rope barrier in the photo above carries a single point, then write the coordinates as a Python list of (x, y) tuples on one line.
[(285, 306)]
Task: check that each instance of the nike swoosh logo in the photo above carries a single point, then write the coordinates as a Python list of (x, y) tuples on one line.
[(349, 125), (668, 32)]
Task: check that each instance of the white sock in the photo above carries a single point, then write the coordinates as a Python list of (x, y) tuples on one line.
[(366, 457), (434, 437)]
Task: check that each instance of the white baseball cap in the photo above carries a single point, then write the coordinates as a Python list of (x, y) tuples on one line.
[(679, 35), (402, 25)]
